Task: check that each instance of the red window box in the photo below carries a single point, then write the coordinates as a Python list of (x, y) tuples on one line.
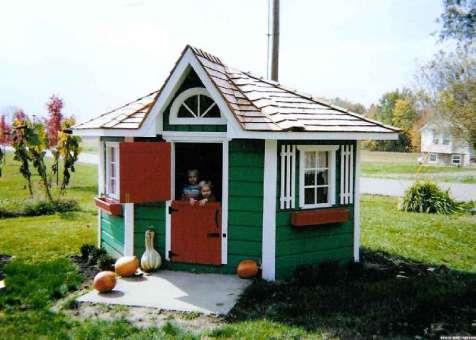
[(309, 218), (108, 205)]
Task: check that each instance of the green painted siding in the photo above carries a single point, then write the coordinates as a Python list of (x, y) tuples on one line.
[(150, 215), (245, 200), (112, 234), (191, 80), (329, 242)]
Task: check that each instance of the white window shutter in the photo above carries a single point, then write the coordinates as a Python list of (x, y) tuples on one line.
[(347, 174), (288, 177)]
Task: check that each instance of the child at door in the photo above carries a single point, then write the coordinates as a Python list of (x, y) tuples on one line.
[(206, 193), (191, 191)]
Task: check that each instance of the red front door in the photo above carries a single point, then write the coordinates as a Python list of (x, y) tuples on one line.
[(196, 233)]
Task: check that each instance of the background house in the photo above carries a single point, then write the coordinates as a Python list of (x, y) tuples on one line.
[(439, 146)]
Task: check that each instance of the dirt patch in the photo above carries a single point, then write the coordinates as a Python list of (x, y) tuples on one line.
[(144, 317), (4, 259), (86, 268)]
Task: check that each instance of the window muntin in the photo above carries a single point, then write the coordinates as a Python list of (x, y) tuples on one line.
[(112, 170), (456, 159), (195, 106), (317, 176)]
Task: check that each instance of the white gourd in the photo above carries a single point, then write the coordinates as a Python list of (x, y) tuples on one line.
[(151, 259)]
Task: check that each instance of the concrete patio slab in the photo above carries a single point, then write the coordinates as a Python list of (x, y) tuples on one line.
[(177, 291)]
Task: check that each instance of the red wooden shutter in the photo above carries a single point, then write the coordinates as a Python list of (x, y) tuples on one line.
[(144, 172)]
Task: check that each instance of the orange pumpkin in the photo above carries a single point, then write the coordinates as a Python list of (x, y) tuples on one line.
[(247, 269), (126, 266), (105, 281)]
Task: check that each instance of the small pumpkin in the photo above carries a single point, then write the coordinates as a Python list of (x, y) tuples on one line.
[(126, 266), (247, 269), (150, 260), (105, 281)]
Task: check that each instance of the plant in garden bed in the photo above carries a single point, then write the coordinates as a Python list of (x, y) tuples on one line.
[(427, 197), (11, 208)]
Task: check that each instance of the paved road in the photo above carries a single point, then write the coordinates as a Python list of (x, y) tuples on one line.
[(396, 187), (378, 186)]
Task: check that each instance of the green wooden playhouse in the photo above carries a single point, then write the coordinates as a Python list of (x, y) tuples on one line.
[(285, 166)]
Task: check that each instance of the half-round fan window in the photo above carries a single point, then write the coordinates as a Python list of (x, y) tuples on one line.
[(195, 106)]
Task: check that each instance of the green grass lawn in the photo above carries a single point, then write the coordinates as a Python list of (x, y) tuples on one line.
[(374, 303), (401, 165)]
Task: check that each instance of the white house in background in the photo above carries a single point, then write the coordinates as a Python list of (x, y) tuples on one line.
[(439, 146)]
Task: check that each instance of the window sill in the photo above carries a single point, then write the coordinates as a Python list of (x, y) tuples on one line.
[(312, 218), (109, 206)]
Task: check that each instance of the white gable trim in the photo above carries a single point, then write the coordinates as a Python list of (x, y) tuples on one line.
[(172, 85)]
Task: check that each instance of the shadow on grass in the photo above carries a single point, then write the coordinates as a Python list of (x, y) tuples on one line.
[(387, 296)]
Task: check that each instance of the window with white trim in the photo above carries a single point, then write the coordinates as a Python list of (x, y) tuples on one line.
[(456, 159), (112, 170), (435, 137), (195, 106), (433, 158), (446, 139), (317, 176)]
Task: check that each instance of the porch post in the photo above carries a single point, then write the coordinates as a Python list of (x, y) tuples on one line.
[(128, 229), (357, 203), (269, 210)]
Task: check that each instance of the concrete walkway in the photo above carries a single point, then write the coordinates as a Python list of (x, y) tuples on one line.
[(396, 187), (175, 291)]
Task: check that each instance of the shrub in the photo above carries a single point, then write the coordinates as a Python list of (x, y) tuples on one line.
[(427, 197), (13, 208), (85, 250), (105, 262)]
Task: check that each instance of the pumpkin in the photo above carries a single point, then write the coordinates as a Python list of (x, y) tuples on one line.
[(105, 281), (247, 269), (150, 260), (126, 266)]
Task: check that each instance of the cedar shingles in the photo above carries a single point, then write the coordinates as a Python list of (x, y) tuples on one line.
[(258, 105)]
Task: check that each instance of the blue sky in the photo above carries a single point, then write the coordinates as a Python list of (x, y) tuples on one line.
[(100, 54)]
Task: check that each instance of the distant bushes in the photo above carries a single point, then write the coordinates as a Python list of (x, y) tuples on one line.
[(427, 197), (11, 208)]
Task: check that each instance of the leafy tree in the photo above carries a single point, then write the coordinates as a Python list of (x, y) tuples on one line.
[(4, 140), (53, 128), (19, 142), (447, 83), (459, 21), (68, 148), (37, 142), (396, 108), (351, 106)]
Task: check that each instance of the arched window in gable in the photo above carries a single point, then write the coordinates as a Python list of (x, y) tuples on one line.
[(195, 106)]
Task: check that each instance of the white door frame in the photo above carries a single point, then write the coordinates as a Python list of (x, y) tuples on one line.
[(184, 138)]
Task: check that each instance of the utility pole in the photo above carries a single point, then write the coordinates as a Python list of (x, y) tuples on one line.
[(274, 62)]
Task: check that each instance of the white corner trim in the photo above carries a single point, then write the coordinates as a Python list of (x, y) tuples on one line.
[(224, 205), (200, 120), (268, 262), (128, 229), (101, 181), (357, 204)]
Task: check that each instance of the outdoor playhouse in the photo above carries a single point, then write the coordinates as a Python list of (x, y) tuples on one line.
[(285, 169)]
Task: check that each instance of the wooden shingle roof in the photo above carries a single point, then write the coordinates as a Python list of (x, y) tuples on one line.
[(256, 103)]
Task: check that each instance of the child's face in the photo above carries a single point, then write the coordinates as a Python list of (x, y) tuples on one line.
[(206, 191), (192, 179)]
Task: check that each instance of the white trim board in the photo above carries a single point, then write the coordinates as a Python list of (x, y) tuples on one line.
[(357, 203), (128, 229), (268, 262)]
